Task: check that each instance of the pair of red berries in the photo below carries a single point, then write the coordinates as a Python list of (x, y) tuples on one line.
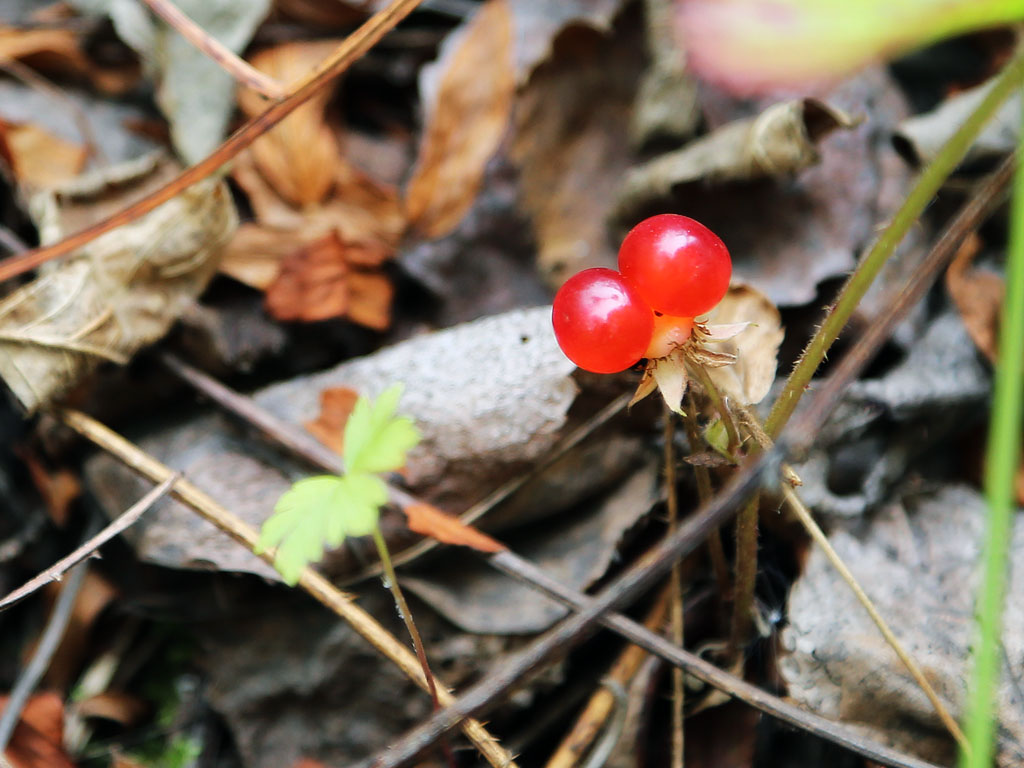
[(671, 270)]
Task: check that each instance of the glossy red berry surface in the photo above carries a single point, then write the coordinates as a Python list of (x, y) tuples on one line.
[(679, 266), (600, 321)]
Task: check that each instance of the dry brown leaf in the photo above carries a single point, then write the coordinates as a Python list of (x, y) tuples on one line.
[(978, 295), (468, 97), (336, 404), (428, 520), (317, 282), (299, 157), (56, 49), (570, 124), (38, 158), (37, 741), (332, 14), (362, 218), (756, 348), (118, 294)]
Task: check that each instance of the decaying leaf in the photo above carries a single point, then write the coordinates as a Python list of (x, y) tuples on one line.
[(666, 105), (781, 140), (431, 521), (336, 403), (195, 94), (119, 293), (755, 347), (317, 282), (38, 158), (37, 741), (468, 98), (568, 144), (920, 137), (299, 157), (918, 562), (326, 251), (978, 294)]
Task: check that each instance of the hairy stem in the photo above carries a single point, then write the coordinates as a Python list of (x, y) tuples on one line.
[(929, 182), (676, 599), (716, 552), (391, 581)]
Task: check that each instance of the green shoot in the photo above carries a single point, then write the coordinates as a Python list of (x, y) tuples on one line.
[(322, 511), (1001, 463)]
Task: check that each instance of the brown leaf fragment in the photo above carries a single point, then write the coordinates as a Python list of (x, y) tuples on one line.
[(570, 123), (336, 404), (781, 140), (59, 488), (468, 97), (37, 741), (118, 294), (430, 521), (56, 49), (316, 283), (978, 295), (299, 157), (255, 253), (38, 158)]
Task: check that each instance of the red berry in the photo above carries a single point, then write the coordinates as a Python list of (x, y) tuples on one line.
[(679, 266), (600, 321)]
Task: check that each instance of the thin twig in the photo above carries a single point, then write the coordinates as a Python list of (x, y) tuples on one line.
[(122, 523), (354, 46), (312, 582), (676, 596), (211, 47), (716, 552), (33, 672)]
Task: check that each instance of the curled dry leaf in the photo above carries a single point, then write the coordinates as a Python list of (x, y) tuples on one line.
[(38, 158), (318, 282), (56, 49), (978, 295), (920, 137), (468, 98), (336, 403), (37, 741), (298, 158), (781, 140), (755, 348), (119, 293)]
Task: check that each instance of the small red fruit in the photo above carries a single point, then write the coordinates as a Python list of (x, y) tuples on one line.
[(600, 321), (679, 266)]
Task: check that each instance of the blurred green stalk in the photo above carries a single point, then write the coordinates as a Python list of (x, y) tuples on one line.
[(1001, 465)]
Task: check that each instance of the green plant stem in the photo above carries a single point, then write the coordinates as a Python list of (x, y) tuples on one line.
[(675, 595), (701, 374), (403, 610), (928, 184), (1002, 461), (716, 552)]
